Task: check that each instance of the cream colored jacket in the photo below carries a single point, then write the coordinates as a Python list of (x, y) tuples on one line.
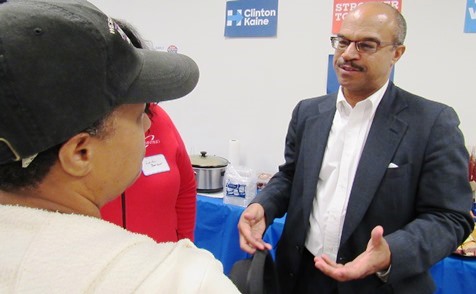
[(49, 252)]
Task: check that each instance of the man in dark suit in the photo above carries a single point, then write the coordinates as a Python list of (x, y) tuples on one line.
[(375, 180)]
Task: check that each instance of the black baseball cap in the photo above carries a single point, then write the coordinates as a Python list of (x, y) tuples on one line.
[(64, 64)]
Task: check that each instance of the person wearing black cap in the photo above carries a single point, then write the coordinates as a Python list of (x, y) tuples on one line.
[(162, 202), (72, 96)]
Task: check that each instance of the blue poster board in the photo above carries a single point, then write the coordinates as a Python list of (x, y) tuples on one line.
[(251, 18), (470, 22)]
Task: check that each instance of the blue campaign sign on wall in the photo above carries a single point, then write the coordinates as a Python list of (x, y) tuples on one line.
[(470, 22), (332, 82), (251, 18)]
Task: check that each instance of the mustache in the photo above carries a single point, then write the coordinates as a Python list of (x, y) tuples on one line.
[(351, 64)]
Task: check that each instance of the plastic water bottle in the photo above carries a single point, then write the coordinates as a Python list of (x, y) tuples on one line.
[(239, 186)]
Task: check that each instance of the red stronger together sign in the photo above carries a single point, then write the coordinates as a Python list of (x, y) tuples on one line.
[(342, 7)]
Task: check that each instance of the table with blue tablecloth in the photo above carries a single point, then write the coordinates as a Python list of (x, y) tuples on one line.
[(216, 230), (454, 275)]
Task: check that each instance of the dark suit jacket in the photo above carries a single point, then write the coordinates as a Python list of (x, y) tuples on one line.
[(423, 205)]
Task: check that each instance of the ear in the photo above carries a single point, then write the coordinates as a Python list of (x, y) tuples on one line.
[(75, 155), (398, 53)]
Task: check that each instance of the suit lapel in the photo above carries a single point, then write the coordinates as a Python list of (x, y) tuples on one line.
[(384, 136), (316, 132)]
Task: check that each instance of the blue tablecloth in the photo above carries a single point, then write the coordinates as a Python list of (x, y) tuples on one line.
[(216, 230), (455, 275)]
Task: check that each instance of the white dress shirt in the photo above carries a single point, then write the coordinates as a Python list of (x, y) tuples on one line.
[(347, 137)]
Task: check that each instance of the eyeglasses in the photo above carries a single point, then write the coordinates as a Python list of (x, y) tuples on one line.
[(365, 46)]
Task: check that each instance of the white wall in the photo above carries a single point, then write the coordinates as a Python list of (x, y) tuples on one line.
[(249, 86)]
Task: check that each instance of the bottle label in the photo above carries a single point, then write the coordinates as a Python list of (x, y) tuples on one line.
[(235, 190)]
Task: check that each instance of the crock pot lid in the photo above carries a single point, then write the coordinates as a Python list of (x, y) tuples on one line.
[(205, 160)]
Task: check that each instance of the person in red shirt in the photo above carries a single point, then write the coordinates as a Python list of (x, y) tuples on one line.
[(162, 202)]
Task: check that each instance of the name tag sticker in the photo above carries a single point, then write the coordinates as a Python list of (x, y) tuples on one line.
[(155, 164)]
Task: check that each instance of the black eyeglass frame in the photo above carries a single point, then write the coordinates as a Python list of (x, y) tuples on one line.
[(335, 40)]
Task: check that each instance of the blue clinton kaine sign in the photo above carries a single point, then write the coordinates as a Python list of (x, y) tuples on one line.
[(251, 18), (470, 22)]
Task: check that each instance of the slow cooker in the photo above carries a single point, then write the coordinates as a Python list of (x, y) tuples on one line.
[(209, 171)]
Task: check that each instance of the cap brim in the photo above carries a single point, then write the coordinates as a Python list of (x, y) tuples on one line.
[(164, 76)]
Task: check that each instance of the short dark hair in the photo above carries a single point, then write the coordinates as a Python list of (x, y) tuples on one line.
[(401, 31), (400, 23), (14, 177)]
